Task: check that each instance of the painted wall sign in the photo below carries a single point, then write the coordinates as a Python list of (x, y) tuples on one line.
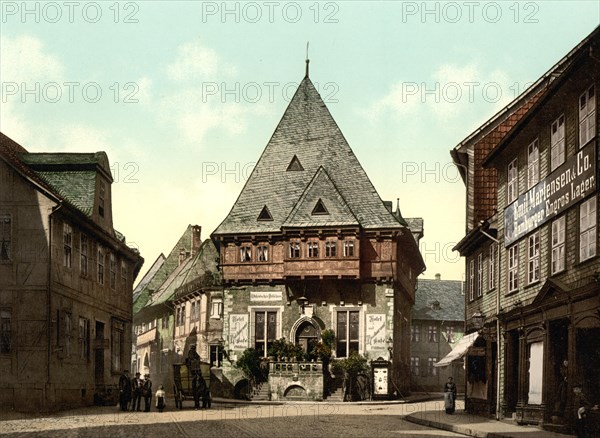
[(238, 332), (376, 332), (266, 296), (570, 183)]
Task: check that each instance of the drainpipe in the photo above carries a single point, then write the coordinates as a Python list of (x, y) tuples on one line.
[(49, 297), (489, 236)]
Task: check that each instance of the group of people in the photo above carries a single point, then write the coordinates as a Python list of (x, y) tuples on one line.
[(134, 389)]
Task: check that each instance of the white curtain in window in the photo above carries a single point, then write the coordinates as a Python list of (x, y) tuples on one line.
[(536, 366)]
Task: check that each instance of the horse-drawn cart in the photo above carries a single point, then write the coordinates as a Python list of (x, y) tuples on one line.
[(190, 378)]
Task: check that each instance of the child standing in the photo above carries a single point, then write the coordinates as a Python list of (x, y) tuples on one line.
[(160, 398)]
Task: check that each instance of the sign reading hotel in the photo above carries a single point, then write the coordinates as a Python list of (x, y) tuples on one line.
[(571, 182), (376, 339), (238, 332), (266, 296)]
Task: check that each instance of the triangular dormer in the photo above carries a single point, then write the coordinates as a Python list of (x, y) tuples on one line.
[(295, 165), (265, 215), (319, 208)]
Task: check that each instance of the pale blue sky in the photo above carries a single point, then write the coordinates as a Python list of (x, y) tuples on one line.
[(181, 150)]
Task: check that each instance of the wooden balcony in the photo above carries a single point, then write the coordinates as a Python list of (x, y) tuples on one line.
[(322, 268)]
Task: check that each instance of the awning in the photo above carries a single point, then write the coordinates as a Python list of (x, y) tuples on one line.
[(458, 351), (146, 338)]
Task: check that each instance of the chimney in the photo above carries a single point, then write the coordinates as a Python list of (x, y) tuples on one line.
[(438, 276), (196, 240)]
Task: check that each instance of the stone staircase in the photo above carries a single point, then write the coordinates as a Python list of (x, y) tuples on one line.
[(260, 392), (336, 390)]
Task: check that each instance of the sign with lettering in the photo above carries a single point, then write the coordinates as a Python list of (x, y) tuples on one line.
[(570, 183), (376, 334), (266, 296), (238, 332)]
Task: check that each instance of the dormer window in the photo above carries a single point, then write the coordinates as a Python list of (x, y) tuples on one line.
[(265, 215), (101, 200), (319, 208), (295, 165)]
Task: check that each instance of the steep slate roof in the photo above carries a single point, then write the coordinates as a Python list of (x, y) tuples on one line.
[(148, 276), (308, 131), (321, 188), (78, 187), (449, 293)]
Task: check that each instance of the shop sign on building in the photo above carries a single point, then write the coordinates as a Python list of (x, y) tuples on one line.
[(568, 184)]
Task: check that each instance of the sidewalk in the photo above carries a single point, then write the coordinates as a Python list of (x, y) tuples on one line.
[(473, 425)]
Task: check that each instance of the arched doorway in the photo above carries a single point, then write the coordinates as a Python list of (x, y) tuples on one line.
[(307, 336)]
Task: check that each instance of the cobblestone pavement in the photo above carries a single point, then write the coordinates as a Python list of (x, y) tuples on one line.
[(286, 420)]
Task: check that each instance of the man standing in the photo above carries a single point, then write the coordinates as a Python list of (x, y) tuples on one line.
[(124, 390), (449, 395), (137, 384), (147, 392)]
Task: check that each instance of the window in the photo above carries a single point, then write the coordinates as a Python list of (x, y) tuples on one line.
[(414, 333), (124, 275), (450, 337), (195, 310), (144, 327), (533, 266), (83, 260), (265, 331), (432, 333), (67, 244), (245, 253), (431, 369), (313, 249), (587, 116), (330, 248), (348, 324), (294, 250), (165, 321), (118, 331), (492, 266), (181, 314), (101, 200), (512, 182), (513, 265), (557, 143), (113, 271), (100, 265), (472, 279), (84, 337), (263, 253), (5, 331), (414, 365), (587, 229), (216, 356), (533, 164), (349, 248), (479, 274), (216, 309), (5, 237), (558, 245)]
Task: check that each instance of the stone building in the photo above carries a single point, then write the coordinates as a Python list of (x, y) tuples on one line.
[(309, 245), (437, 326), (154, 316), (66, 280), (532, 289)]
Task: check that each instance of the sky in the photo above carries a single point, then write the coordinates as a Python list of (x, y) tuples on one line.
[(183, 96)]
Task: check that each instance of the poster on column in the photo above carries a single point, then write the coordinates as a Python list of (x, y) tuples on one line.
[(376, 339), (238, 332)]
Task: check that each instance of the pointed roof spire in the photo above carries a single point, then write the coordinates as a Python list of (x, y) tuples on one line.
[(307, 61), (399, 215)]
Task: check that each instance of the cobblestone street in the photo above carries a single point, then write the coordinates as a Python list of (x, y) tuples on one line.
[(287, 420)]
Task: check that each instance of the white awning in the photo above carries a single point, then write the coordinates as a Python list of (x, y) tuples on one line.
[(458, 351)]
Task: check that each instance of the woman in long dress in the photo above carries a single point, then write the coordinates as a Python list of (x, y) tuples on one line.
[(449, 395)]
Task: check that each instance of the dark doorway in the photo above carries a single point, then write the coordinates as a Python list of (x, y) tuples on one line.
[(99, 353), (511, 381), (587, 349), (559, 355), (307, 336)]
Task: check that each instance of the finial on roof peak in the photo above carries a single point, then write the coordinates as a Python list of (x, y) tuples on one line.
[(307, 61)]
